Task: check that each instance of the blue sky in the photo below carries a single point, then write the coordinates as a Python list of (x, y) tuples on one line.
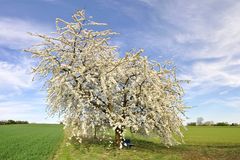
[(201, 37)]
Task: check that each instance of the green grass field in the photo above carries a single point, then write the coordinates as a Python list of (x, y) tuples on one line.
[(30, 141), (41, 142), (202, 143)]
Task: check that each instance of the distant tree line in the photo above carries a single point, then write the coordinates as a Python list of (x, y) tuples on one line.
[(200, 122), (6, 122), (213, 124)]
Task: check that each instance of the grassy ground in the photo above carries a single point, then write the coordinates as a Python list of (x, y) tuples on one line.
[(29, 142), (39, 142), (202, 143)]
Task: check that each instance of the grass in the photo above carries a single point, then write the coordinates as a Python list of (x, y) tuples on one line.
[(45, 142), (30, 141), (217, 135), (202, 143)]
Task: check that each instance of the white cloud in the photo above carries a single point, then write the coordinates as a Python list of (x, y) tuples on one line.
[(206, 37), (16, 102), (16, 84), (219, 73), (13, 32), (207, 77), (217, 39), (213, 26), (32, 111), (233, 102), (15, 67), (15, 76), (15, 107)]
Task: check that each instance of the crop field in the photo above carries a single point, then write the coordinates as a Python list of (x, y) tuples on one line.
[(30, 141), (43, 142)]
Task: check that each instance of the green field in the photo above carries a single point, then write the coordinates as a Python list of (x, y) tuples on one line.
[(30, 141), (202, 143), (23, 142)]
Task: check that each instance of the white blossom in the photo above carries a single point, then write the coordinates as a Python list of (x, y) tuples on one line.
[(94, 89)]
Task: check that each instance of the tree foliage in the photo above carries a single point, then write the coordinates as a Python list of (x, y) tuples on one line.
[(200, 120), (6, 122), (93, 87)]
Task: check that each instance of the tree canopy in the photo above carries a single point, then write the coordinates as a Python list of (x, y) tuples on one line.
[(92, 86)]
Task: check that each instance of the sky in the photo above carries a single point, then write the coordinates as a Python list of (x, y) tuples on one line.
[(202, 38)]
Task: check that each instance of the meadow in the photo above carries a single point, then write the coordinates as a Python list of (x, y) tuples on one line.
[(201, 143), (29, 141), (43, 142)]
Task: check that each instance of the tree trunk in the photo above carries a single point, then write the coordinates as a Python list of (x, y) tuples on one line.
[(118, 137), (95, 132)]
